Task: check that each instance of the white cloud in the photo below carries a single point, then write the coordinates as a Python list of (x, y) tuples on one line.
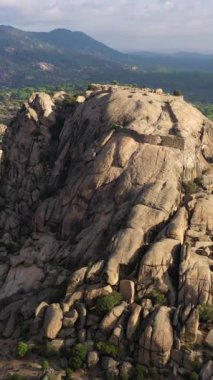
[(136, 24)]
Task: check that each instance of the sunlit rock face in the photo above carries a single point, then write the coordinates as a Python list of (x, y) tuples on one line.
[(101, 193)]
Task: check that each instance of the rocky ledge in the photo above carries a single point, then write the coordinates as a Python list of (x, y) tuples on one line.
[(106, 233)]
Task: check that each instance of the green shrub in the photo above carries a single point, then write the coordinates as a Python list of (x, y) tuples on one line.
[(45, 365), (156, 297), (78, 356), (206, 109), (126, 376), (116, 126), (141, 372), (190, 187), (22, 349), (193, 376), (68, 374), (206, 313), (107, 348), (153, 373), (70, 100), (16, 376), (106, 303), (199, 181)]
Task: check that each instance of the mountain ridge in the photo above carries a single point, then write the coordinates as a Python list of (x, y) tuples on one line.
[(63, 38), (33, 58), (61, 56)]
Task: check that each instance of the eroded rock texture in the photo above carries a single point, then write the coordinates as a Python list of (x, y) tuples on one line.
[(99, 192)]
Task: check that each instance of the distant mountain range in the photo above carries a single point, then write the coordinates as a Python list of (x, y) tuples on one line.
[(61, 56), (54, 57)]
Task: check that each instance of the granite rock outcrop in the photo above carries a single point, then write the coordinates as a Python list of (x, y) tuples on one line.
[(112, 193)]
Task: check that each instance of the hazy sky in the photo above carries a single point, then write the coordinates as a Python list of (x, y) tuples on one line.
[(122, 24)]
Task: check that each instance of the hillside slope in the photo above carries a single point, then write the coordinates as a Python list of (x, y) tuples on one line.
[(30, 58), (36, 59), (112, 193)]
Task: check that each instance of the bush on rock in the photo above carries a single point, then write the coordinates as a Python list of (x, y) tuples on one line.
[(156, 297), (206, 313), (22, 349), (106, 303), (78, 356), (107, 348)]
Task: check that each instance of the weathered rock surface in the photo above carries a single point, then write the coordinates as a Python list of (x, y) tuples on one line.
[(111, 193), (133, 322), (209, 339), (112, 317), (21, 279), (127, 289), (70, 318), (92, 359), (157, 340), (53, 321), (195, 279), (207, 371), (157, 267)]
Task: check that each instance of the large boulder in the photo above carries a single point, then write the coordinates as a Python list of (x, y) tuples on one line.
[(209, 339), (156, 340), (127, 289), (195, 278), (52, 321), (44, 107), (207, 371), (76, 279), (157, 268), (133, 322), (110, 320)]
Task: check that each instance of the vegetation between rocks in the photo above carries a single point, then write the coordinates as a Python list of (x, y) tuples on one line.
[(45, 365), (156, 297), (192, 376), (78, 356), (16, 376), (106, 303), (141, 372), (22, 349), (206, 109), (68, 374), (190, 187), (206, 313), (107, 348)]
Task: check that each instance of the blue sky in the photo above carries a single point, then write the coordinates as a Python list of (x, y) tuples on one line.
[(158, 25)]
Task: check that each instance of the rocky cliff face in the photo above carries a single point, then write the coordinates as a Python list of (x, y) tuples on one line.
[(113, 193)]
